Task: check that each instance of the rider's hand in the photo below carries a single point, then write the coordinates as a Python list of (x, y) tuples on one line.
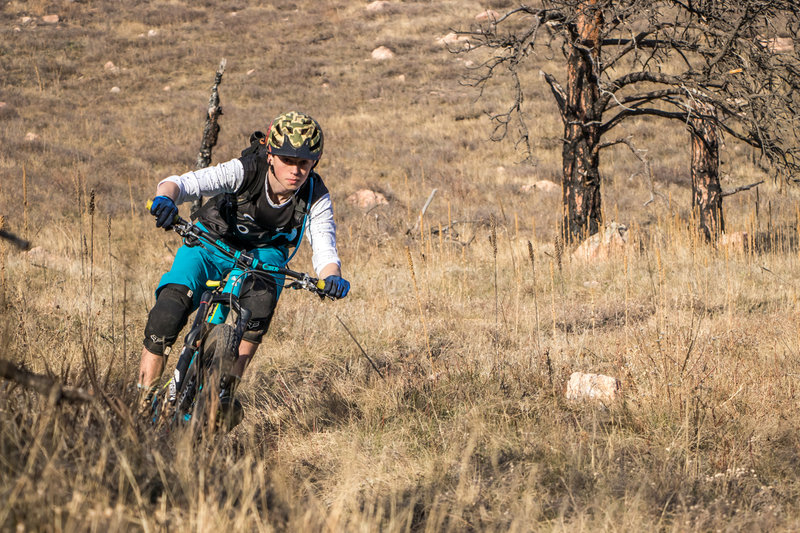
[(336, 287), (165, 211)]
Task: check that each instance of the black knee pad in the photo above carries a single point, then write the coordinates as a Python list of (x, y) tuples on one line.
[(260, 297), (167, 317)]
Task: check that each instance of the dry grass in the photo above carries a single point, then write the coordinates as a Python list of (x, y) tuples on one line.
[(470, 429)]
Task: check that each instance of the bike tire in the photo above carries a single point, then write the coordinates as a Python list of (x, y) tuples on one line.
[(220, 351)]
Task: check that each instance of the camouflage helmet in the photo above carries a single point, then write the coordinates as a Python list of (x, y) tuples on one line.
[(295, 134)]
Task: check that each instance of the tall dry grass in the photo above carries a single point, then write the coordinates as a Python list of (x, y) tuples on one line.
[(476, 318)]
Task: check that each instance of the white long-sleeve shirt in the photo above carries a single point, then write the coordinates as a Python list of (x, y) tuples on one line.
[(228, 178)]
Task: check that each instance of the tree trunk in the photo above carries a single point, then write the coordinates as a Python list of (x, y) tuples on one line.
[(581, 186), (706, 189)]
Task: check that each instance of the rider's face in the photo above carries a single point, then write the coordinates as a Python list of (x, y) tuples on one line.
[(288, 173)]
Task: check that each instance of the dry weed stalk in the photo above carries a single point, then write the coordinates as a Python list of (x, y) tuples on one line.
[(419, 305)]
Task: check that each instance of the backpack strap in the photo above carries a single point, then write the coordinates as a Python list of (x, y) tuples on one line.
[(305, 217)]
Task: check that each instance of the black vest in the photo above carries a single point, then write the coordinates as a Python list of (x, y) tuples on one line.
[(245, 219)]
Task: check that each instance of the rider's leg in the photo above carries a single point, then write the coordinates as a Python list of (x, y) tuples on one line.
[(167, 317), (151, 367), (246, 351)]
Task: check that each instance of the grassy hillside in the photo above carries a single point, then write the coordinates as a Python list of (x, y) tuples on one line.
[(476, 329)]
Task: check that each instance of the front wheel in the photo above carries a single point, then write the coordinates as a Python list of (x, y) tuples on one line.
[(220, 352)]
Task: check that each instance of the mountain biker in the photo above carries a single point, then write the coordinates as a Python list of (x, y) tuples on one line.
[(262, 202)]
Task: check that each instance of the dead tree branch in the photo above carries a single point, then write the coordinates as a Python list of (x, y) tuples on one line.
[(742, 188), (43, 384), (211, 129)]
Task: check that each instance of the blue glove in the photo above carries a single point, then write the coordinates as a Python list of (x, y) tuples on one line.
[(336, 287), (165, 211)]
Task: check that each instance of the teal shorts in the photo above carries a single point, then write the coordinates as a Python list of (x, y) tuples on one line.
[(193, 266)]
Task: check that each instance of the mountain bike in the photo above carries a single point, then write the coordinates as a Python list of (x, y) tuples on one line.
[(202, 390)]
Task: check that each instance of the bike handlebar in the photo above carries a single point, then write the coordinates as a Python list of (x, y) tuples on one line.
[(192, 234)]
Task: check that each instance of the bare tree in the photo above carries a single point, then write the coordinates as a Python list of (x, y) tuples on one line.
[(711, 64)]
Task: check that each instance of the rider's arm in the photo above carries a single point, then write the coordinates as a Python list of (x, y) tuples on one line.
[(321, 233), (331, 269), (209, 181)]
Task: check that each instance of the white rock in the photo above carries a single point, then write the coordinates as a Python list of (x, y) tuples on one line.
[(736, 241), (597, 387), (490, 15), (17, 29), (367, 199), (25, 20), (51, 19), (603, 245), (453, 38), (110, 67), (166, 88), (31, 137), (378, 6), (401, 78), (2, 105), (152, 33), (382, 53), (250, 72), (115, 90)]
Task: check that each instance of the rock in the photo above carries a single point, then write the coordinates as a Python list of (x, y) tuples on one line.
[(401, 78), (382, 53), (603, 245), (166, 88), (31, 137), (25, 20), (115, 90), (17, 29), (541, 186), (735, 242), (250, 72), (152, 33), (367, 199), (490, 15), (378, 6), (596, 387), (777, 45), (110, 67), (453, 39), (51, 19)]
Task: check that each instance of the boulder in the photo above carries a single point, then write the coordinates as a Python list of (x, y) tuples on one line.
[(777, 45), (378, 6), (735, 242), (382, 53), (115, 90), (454, 39), (603, 245), (367, 199), (51, 19), (595, 387)]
